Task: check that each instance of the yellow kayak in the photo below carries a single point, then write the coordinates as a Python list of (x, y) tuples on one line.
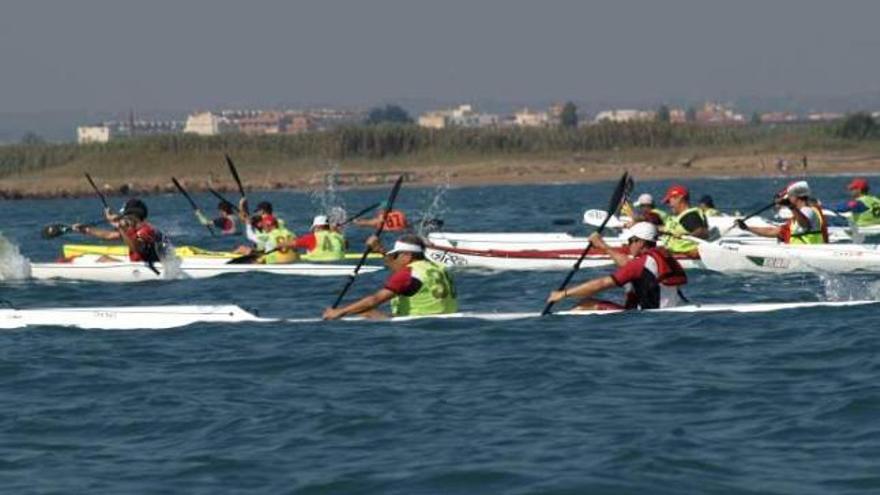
[(74, 250)]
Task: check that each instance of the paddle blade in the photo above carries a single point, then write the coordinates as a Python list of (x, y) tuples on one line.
[(234, 172), (245, 259), (54, 230)]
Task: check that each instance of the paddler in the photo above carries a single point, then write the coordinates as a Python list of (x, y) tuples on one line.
[(226, 221), (707, 205), (268, 233), (645, 211), (145, 242), (323, 243), (864, 207), (416, 287), (395, 221), (650, 275), (807, 224), (684, 220)]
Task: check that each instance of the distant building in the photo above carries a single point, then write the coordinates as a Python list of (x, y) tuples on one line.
[(626, 115), (207, 124), (824, 116), (528, 118), (717, 113), (462, 116), (93, 134), (677, 115), (779, 118)]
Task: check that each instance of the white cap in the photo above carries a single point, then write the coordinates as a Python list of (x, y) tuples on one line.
[(320, 221), (643, 230), (405, 247), (797, 189), (644, 200)]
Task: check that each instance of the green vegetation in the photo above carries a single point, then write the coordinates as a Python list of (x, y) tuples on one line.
[(663, 114), (182, 154), (569, 116), (391, 114)]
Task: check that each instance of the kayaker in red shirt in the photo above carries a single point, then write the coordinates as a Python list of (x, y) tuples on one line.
[(394, 222), (649, 273), (143, 240)]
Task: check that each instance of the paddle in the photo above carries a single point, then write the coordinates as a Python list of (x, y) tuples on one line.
[(612, 207), (54, 230), (149, 263), (237, 179), (750, 215), (379, 229), (219, 196), (250, 258), (192, 203)]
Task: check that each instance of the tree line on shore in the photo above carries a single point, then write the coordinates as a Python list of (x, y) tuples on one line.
[(393, 140)]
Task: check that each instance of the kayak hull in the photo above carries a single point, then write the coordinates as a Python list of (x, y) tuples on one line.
[(125, 318), (87, 268), (75, 250), (727, 257)]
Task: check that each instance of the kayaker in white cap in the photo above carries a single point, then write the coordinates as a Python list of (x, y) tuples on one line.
[(807, 224), (645, 211), (322, 243), (416, 286), (650, 275)]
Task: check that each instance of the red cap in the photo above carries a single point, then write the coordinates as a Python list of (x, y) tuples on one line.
[(860, 184), (268, 221), (675, 190)]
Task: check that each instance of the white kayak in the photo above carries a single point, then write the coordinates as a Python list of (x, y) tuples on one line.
[(732, 257), (524, 260), (125, 318), (689, 308), (88, 268)]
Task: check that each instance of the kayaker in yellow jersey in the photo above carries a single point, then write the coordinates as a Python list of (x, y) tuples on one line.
[(707, 205), (864, 207), (807, 224), (684, 220), (268, 233), (645, 211), (323, 243), (416, 287)]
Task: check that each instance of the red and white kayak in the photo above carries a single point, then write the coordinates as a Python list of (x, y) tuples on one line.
[(524, 260), (89, 268), (732, 257)]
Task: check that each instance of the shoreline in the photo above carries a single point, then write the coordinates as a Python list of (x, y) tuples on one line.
[(573, 169)]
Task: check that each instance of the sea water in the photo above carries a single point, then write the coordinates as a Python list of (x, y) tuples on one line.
[(782, 402)]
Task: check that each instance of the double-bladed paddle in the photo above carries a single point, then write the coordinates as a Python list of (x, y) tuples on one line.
[(750, 215), (618, 195), (234, 172), (391, 198), (192, 203), (149, 262)]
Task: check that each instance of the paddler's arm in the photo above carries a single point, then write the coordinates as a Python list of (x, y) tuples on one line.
[(375, 245), (202, 218), (107, 235), (619, 257), (768, 231), (368, 222), (586, 289), (367, 303)]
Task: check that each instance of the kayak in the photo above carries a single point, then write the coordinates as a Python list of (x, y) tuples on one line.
[(526, 260), (88, 268), (688, 308), (732, 257), (125, 318), (74, 250)]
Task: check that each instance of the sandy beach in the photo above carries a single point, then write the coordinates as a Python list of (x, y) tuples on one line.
[(576, 168)]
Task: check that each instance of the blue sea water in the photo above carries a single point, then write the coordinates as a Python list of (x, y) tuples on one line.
[(783, 402)]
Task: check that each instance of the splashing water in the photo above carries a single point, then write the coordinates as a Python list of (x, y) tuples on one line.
[(436, 208), (326, 197), (171, 263), (13, 266), (839, 287)]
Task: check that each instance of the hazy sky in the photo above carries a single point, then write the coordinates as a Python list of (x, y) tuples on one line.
[(107, 55)]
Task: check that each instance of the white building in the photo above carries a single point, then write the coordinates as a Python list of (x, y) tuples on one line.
[(528, 118), (625, 115), (207, 124), (463, 116), (93, 134)]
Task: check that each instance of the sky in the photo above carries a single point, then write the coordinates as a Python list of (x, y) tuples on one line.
[(190, 54)]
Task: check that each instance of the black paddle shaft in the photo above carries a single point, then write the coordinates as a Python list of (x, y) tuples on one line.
[(391, 198), (235, 176), (97, 191), (622, 185), (192, 203)]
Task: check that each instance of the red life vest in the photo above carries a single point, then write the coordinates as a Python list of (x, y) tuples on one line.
[(395, 220), (670, 270)]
